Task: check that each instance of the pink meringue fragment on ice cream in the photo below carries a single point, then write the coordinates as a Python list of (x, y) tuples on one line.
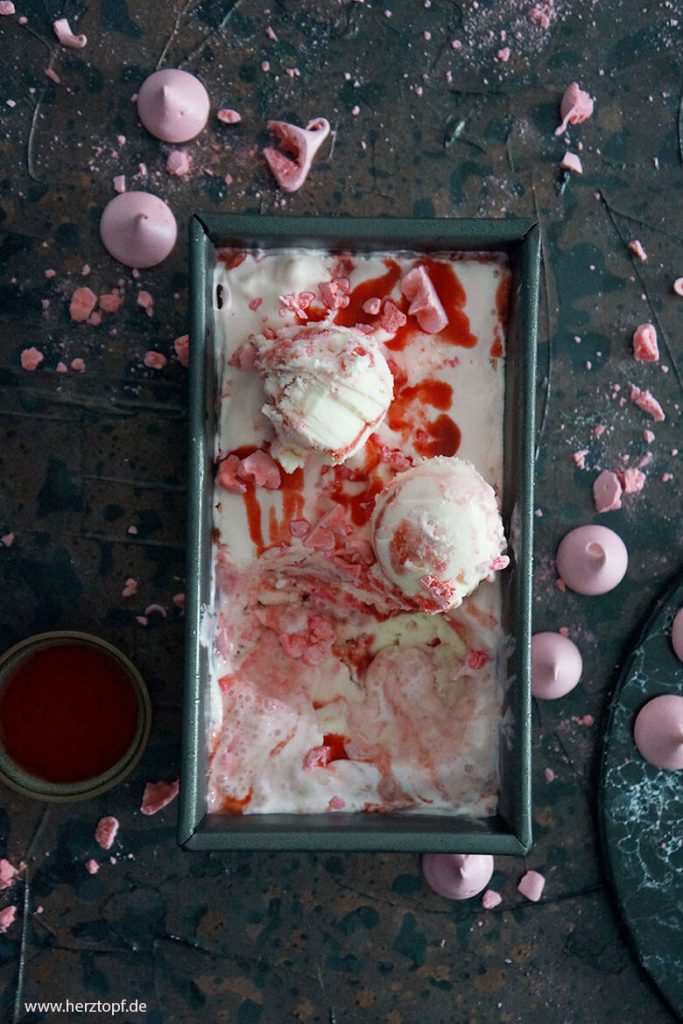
[(425, 304), (298, 146)]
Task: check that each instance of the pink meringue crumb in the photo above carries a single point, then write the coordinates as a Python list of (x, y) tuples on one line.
[(155, 609), (549, 775), (270, 32), (226, 477), (78, 365), (61, 367), (571, 162), (130, 587), (31, 358), (334, 294), (298, 146), (155, 360), (106, 831), (158, 795), (179, 601), (531, 885), (119, 183), (110, 302), (182, 349), (678, 286), (23, 20), (491, 899), (599, 430), (579, 458), (7, 7), (83, 302), (229, 116), (336, 803), (607, 491), (392, 317), (52, 75), (142, 620), (539, 16), (262, 467), (645, 348), (632, 480), (8, 873), (7, 540), (646, 401), (648, 436), (66, 37), (504, 54), (372, 306), (179, 163), (637, 250), (91, 866), (8, 916), (132, 530), (146, 302), (50, 273), (576, 106), (299, 528)]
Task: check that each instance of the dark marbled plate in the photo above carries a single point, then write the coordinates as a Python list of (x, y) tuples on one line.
[(641, 808)]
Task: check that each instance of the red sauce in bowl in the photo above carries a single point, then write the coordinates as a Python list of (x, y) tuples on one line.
[(68, 712)]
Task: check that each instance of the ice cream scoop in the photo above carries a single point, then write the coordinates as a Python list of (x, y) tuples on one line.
[(592, 560), (138, 229), (437, 532), (556, 665), (457, 876), (658, 732), (327, 388), (173, 105)]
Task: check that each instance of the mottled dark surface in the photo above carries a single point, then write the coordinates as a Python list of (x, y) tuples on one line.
[(265, 939)]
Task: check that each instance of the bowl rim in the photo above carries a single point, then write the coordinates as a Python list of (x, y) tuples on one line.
[(23, 782)]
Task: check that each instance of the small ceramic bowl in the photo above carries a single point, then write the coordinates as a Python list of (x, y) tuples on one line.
[(75, 716)]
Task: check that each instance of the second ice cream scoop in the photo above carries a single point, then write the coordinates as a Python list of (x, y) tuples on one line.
[(437, 532), (328, 388)]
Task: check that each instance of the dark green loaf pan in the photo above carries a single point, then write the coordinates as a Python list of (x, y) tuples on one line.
[(509, 831)]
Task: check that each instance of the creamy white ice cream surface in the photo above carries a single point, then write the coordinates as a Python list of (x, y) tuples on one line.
[(331, 689)]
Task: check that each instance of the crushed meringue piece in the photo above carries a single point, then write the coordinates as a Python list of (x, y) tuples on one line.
[(7, 540), (678, 286), (119, 183), (91, 866), (575, 107), (637, 250), (83, 302), (106, 831), (632, 480), (182, 349), (31, 358), (130, 587), (645, 348), (532, 885), (646, 401), (425, 304), (229, 116), (179, 163), (491, 899), (78, 365), (155, 360), (7, 7), (66, 37), (158, 795), (291, 171), (607, 491), (571, 162), (8, 916)]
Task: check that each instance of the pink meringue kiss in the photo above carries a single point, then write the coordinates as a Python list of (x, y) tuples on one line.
[(173, 105), (138, 229), (302, 143), (658, 732), (592, 560), (556, 665), (677, 634), (457, 876)]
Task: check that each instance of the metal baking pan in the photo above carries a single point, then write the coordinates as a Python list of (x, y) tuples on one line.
[(508, 831)]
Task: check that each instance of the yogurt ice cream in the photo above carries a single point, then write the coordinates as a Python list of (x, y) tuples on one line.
[(437, 532), (356, 391), (327, 387)]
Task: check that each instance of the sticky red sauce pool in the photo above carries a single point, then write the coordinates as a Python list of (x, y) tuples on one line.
[(68, 712)]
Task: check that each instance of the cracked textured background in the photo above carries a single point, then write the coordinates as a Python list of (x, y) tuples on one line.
[(325, 939)]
